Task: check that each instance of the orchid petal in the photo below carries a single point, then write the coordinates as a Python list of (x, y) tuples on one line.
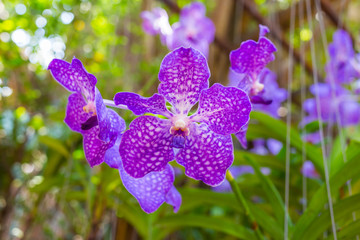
[(241, 136), (151, 191), (75, 115), (252, 56), (206, 155), (173, 198), (184, 73), (225, 109), (146, 146), (74, 77), (111, 125), (139, 105), (94, 148)]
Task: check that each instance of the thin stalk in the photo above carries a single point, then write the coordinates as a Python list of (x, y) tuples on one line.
[(240, 197), (111, 103)]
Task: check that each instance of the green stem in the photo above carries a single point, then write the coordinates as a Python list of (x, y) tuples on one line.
[(240, 197)]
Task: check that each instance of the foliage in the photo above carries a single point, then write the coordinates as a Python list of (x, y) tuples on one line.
[(47, 189)]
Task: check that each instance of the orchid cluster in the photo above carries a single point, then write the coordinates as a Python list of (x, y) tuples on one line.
[(200, 142), (338, 101), (168, 128), (194, 29)]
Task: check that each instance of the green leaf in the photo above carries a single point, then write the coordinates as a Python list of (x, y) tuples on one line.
[(271, 192), (348, 171), (266, 222), (132, 213), (220, 224), (348, 232), (312, 127), (268, 127), (54, 144), (270, 161), (193, 197), (342, 209)]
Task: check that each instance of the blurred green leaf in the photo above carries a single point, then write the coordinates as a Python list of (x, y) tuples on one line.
[(268, 127), (224, 225), (342, 209), (348, 171), (271, 192), (55, 145)]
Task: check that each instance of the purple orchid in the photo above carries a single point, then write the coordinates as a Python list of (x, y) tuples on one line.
[(152, 190), (102, 131), (205, 150), (248, 73), (263, 147), (308, 170), (271, 92), (157, 22), (99, 125), (334, 100), (194, 29), (248, 61), (340, 68)]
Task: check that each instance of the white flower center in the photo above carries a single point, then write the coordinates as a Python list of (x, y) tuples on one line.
[(90, 108), (180, 127)]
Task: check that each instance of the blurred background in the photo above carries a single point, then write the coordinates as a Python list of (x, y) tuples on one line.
[(47, 189)]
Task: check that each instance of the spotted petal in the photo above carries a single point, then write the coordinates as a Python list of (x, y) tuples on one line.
[(146, 146), (111, 125), (151, 191), (112, 155), (173, 198), (94, 148), (74, 77), (139, 105), (252, 56), (225, 109), (75, 114), (184, 73), (206, 155), (241, 136)]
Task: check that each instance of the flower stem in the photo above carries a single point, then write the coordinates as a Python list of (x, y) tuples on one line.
[(240, 197), (111, 103)]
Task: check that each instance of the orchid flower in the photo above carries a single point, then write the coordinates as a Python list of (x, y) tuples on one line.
[(194, 29), (248, 73), (202, 140)]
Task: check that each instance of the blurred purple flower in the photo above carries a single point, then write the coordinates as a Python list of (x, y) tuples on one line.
[(271, 92), (194, 29), (333, 100), (206, 149), (102, 130), (152, 190), (263, 147), (238, 171), (341, 69), (309, 171), (156, 22)]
